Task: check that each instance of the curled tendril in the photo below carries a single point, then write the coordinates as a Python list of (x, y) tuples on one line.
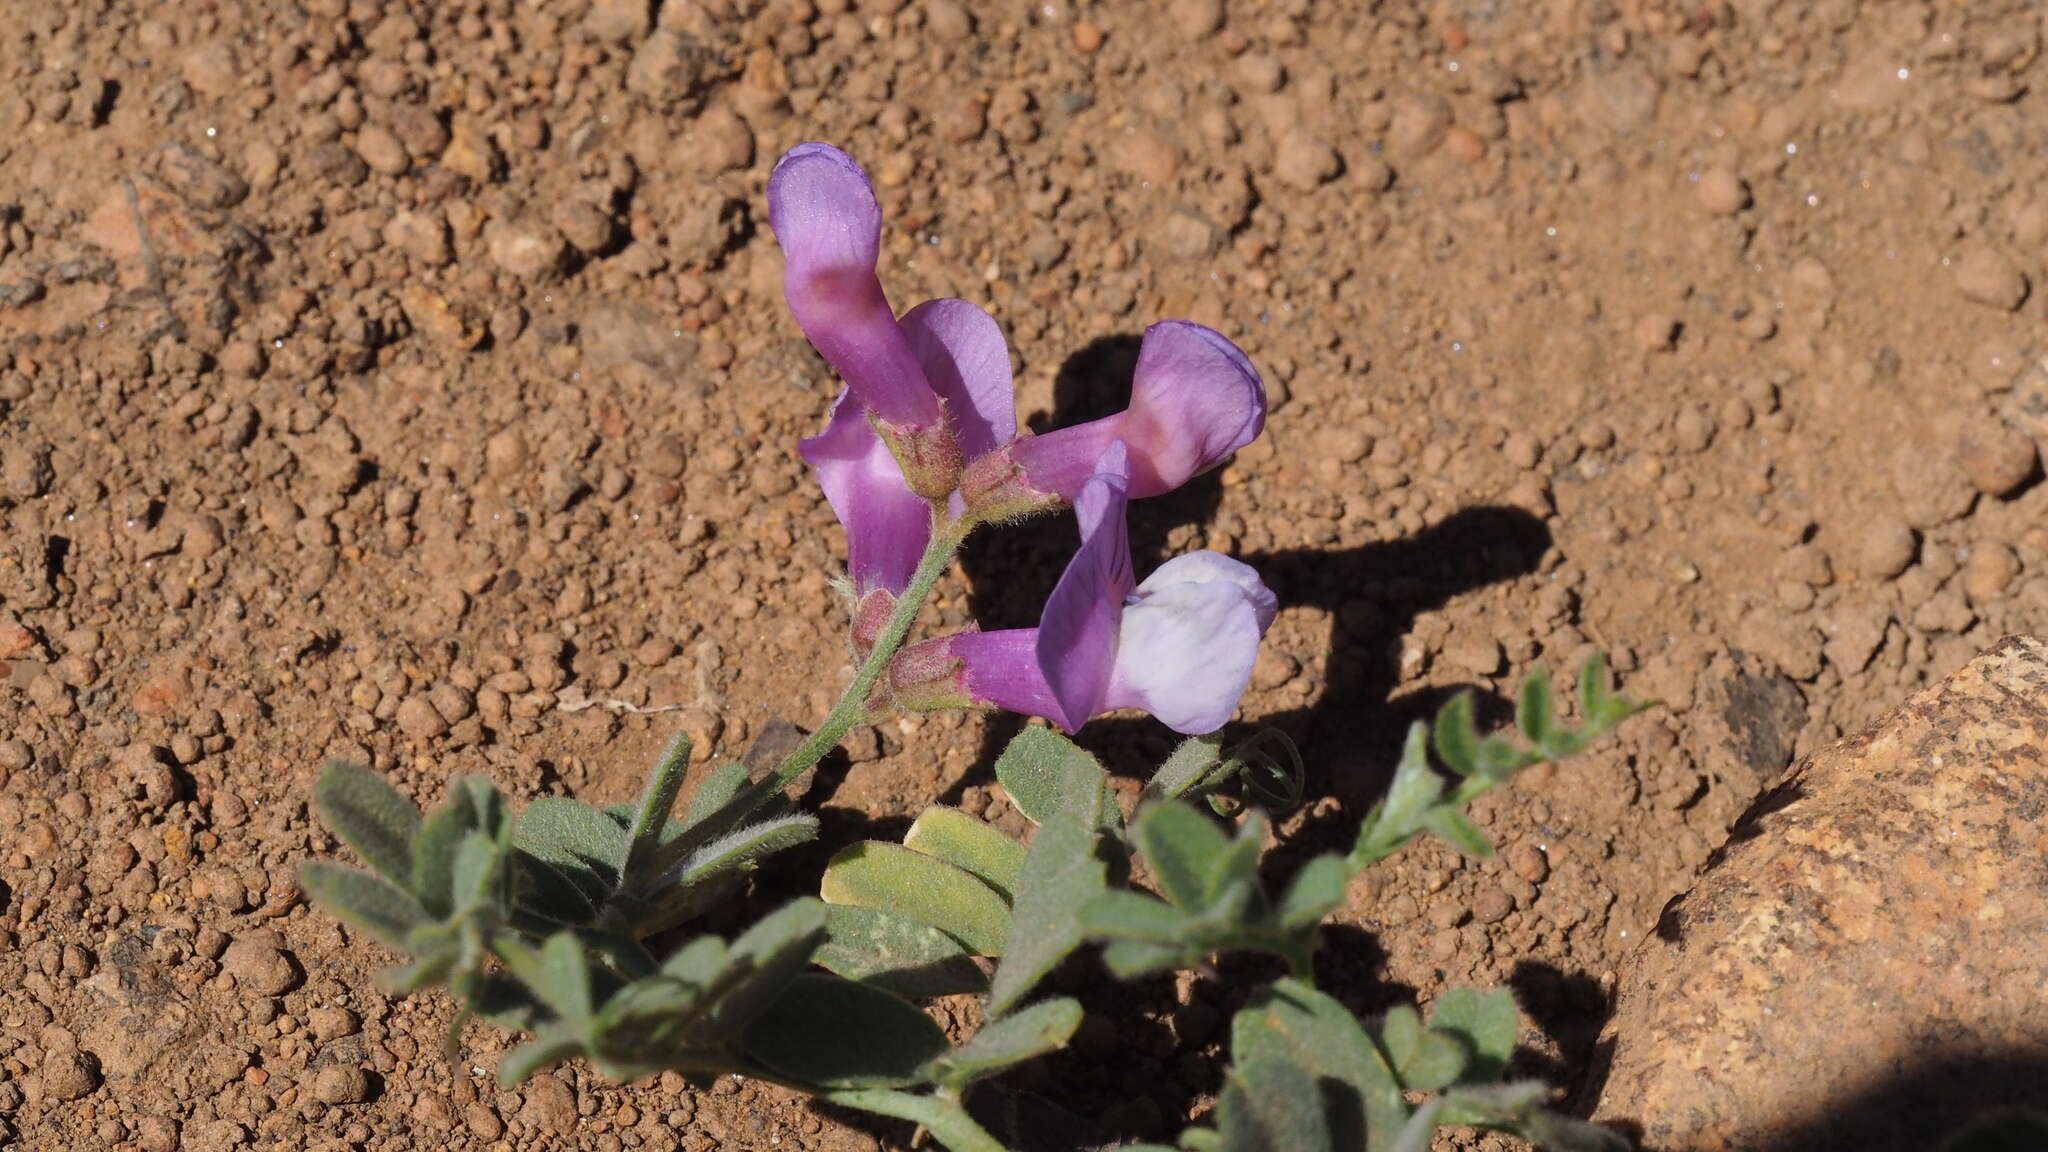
[(1274, 779)]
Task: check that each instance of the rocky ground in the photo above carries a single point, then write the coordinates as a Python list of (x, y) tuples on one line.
[(410, 383)]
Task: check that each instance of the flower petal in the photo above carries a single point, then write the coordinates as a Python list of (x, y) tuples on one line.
[(1185, 653), (1077, 633), (1195, 399), (967, 363), (1206, 567), (1001, 671), (826, 218), (886, 524)]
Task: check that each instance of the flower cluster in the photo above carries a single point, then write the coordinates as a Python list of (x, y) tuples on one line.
[(923, 444)]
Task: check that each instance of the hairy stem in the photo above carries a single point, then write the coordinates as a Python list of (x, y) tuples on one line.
[(853, 703), (946, 1120)]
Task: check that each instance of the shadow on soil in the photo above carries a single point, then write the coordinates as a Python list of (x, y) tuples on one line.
[(1913, 1111), (1350, 726)]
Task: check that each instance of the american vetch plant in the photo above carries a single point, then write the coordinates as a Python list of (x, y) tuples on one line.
[(570, 922)]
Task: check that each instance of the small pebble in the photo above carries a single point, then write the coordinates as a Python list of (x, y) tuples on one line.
[(1304, 161), (1492, 905), (341, 1084), (1196, 18), (1989, 276), (1887, 547), (1998, 460), (260, 965), (1528, 862), (1989, 571), (1722, 192), (69, 1075)]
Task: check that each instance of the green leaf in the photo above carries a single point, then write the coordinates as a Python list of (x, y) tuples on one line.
[(1020, 1036), (657, 800), (1485, 1021), (1272, 1104), (534, 1055), (1396, 819), (969, 844), (1423, 1061), (716, 792), (565, 976), (876, 874), (1034, 766), (1314, 893), (370, 816), (746, 846), (1132, 959), (834, 1033), (433, 856), (1288, 1021), (696, 963), (548, 896), (1186, 769), (764, 958), (1457, 737), (1184, 850), (363, 899), (1458, 828), (895, 953), (1062, 873), (1535, 714), (581, 842), (1120, 914), (474, 876)]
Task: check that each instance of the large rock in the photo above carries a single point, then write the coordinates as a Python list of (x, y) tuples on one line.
[(1865, 964)]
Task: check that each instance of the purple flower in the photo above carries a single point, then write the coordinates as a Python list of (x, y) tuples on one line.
[(1180, 645), (959, 349), (1195, 399), (930, 414)]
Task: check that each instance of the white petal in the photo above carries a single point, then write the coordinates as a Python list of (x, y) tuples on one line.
[(1185, 653), (1214, 567)]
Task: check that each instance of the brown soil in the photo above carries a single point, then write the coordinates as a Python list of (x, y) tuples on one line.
[(411, 383)]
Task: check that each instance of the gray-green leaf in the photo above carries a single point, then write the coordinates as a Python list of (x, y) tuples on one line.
[(363, 899), (834, 1033), (1061, 874), (877, 874), (1033, 767), (895, 953), (969, 844), (370, 816), (1013, 1039), (1486, 1021)]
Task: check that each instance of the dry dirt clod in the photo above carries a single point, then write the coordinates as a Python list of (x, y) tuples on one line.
[(1884, 884), (69, 1075), (1998, 460), (1989, 276), (259, 964), (1722, 192), (341, 1084)]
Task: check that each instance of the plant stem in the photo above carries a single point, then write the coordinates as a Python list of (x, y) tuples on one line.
[(853, 703), (944, 1119)]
